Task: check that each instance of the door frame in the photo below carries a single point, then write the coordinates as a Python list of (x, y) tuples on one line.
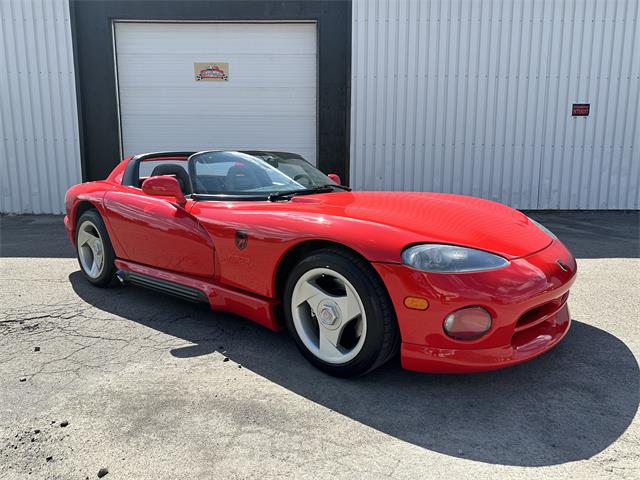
[(92, 38)]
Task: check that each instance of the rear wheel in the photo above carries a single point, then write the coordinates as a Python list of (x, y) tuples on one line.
[(338, 311), (95, 253)]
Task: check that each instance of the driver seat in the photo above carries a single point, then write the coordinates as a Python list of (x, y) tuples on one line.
[(177, 171)]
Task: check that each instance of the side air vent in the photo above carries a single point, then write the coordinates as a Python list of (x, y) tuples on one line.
[(171, 288)]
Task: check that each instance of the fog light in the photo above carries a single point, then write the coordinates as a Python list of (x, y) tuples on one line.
[(467, 323)]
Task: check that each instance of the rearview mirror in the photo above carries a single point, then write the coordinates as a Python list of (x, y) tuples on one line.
[(164, 186), (335, 178)]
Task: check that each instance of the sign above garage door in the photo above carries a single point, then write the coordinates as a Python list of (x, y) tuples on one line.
[(268, 102)]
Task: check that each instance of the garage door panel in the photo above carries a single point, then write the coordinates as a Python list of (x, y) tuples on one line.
[(212, 38), (244, 101), (269, 101), (245, 70), (214, 144), (235, 132)]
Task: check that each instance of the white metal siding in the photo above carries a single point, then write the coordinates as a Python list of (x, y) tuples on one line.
[(269, 101), (40, 155), (475, 97)]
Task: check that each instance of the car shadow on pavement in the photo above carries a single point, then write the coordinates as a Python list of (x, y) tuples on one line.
[(567, 405)]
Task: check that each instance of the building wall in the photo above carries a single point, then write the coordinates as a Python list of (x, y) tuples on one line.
[(39, 155), (460, 96), (475, 97)]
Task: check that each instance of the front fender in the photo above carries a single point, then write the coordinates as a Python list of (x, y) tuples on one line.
[(89, 193)]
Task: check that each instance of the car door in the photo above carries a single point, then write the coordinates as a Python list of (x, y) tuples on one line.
[(154, 231)]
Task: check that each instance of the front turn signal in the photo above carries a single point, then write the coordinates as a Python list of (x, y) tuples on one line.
[(416, 303)]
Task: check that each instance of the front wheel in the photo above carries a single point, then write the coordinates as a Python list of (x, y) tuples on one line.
[(339, 313)]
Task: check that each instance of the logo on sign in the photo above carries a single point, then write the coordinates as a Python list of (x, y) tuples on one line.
[(211, 71)]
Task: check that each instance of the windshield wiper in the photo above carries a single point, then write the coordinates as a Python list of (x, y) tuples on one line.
[(335, 185), (284, 196)]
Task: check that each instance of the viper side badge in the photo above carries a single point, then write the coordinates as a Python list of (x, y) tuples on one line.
[(242, 239)]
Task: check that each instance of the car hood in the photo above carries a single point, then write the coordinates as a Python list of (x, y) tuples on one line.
[(438, 217)]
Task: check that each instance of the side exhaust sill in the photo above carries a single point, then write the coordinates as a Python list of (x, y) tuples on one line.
[(164, 286)]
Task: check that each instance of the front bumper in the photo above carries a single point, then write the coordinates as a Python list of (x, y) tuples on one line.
[(527, 301), (422, 358)]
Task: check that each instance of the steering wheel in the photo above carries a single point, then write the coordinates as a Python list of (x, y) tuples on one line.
[(303, 176)]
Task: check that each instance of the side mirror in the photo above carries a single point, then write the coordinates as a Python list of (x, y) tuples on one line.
[(164, 186), (335, 178)]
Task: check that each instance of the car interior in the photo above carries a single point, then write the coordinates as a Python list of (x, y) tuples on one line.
[(227, 177), (222, 172)]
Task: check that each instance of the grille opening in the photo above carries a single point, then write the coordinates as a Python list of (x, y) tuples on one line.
[(532, 316)]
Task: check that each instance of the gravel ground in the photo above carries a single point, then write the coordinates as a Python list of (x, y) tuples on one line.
[(146, 386)]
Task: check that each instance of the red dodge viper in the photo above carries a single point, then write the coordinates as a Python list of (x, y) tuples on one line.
[(455, 284)]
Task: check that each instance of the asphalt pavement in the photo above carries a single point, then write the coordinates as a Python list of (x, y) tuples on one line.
[(146, 386)]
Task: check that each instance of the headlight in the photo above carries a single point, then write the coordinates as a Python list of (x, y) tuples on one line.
[(544, 229), (450, 259)]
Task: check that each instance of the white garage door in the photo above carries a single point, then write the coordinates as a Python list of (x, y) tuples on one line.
[(267, 101)]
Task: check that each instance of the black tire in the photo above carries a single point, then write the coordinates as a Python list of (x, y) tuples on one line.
[(107, 274), (382, 336)]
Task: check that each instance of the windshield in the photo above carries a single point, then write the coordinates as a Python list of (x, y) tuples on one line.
[(252, 172)]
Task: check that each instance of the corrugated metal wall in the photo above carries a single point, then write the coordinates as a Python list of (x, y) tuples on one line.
[(475, 97), (40, 156)]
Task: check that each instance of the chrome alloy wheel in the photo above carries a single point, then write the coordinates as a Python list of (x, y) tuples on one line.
[(328, 315), (90, 249)]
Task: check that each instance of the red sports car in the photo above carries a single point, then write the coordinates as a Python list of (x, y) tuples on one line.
[(456, 284)]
